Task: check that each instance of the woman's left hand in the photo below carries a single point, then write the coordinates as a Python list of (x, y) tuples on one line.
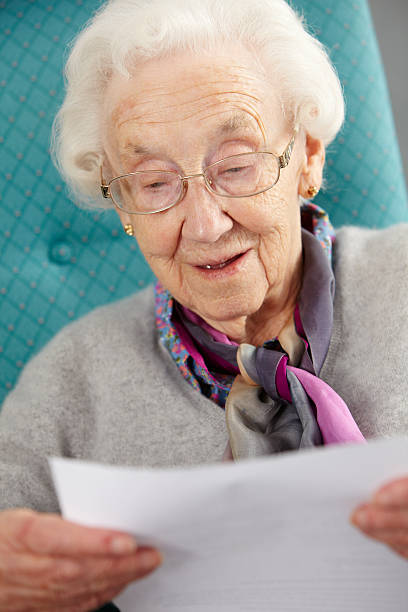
[(385, 516)]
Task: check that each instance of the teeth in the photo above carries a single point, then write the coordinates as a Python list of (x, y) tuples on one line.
[(218, 266), (221, 265)]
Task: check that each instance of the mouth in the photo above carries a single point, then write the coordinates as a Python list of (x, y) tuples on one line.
[(219, 268), (222, 264)]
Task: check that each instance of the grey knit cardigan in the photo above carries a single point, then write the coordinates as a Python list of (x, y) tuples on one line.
[(104, 389)]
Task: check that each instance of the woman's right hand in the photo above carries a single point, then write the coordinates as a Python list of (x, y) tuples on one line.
[(50, 564)]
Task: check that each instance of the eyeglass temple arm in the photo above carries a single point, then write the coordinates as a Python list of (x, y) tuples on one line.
[(285, 157), (283, 162), (104, 188)]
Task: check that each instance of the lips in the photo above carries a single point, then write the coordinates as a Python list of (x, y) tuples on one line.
[(222, 264)]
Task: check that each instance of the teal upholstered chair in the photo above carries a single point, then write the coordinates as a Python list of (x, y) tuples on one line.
[(56, 262)]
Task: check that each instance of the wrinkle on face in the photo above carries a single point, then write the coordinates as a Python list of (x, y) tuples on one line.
[(172, 111), (194, 108), (169, 104), (198, 87), (203, 110)]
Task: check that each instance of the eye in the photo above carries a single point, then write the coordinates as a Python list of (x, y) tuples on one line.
[(155, 185), (235, 169), (153, 182)]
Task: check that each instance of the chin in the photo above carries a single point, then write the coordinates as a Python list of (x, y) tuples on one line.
[(229, 308)]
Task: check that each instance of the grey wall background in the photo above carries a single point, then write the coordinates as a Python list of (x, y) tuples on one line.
[(391, 23)]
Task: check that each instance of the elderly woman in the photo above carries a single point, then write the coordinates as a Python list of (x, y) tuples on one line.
[(205, 124)]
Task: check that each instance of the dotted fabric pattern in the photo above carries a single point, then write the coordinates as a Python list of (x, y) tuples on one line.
[(58, 262), (364, 175)]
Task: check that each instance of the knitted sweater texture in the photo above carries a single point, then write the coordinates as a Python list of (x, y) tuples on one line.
[(105, 390)]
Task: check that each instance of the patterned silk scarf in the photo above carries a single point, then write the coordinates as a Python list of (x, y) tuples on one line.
[(273, 397)]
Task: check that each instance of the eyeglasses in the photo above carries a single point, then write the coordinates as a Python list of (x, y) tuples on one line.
[(237, 176)]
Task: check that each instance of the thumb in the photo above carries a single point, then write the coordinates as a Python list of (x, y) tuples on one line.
[(49, 534)]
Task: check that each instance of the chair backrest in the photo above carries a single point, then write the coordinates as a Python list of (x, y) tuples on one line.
[(58, 262)]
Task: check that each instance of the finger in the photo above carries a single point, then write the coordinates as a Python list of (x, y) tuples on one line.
[(402, 552), (369, 517), (87, 594), (391, 537), (62, 579), (49, 534), (40, 602), (28, 582), (98, 575), (94, 594), (106, 574), (96, 601), (27, 569), (393, 493)]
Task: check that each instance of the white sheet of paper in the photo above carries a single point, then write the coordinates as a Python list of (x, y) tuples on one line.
[(270, 534)]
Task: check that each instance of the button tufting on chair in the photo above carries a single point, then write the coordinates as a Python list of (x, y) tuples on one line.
[(58, 262), (61, 252)]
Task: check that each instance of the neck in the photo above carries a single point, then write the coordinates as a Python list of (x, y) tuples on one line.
[(267, 322), (272, 317)]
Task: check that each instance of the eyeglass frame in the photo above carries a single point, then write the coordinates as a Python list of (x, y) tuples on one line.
[(283, 161)]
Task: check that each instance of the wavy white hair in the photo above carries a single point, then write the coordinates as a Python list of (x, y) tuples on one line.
[(124, 32)]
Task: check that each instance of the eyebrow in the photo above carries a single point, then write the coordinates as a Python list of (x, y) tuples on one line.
[(234, 123), (138, 149)]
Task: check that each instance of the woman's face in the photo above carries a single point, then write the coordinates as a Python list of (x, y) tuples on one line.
[(185, 113)]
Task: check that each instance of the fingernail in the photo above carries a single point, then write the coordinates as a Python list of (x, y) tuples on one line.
[(150, 559), (360, 517), (123, 545)]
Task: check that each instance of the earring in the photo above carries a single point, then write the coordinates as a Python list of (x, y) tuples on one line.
[(312, 191), (129, 229)]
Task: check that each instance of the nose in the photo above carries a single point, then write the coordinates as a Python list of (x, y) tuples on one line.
[(204, 218)]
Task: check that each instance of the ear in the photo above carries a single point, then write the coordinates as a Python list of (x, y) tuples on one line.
[(312, 171)]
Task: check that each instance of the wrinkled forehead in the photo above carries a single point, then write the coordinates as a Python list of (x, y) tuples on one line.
[(231, 90)]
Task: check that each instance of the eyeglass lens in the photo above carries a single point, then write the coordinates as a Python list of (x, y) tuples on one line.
[(239, 175)]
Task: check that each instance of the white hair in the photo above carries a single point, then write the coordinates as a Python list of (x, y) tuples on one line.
[(124, 32)]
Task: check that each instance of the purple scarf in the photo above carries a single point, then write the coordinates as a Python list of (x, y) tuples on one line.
[(288, 407)]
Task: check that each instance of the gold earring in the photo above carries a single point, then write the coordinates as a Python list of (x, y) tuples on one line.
[(129, 229), (312, 191)]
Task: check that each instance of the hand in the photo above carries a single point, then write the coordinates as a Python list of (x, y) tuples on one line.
[(49, 564), (385, 517)]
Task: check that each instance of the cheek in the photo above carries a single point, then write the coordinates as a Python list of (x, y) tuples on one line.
[(275, 218), (156, 235), (267, 212)]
